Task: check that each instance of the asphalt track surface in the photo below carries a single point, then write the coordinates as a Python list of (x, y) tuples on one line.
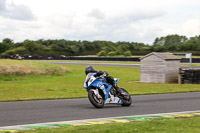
[(97, 64), (30, 112), (109, 64)]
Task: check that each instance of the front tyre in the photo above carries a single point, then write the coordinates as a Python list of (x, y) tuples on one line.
[(98, 102)]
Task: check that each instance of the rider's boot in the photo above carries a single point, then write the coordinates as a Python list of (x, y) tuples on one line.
[(120, 92), (117, 90)]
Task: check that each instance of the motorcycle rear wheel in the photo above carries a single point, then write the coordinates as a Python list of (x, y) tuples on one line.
[(126, 102), (97, 102)]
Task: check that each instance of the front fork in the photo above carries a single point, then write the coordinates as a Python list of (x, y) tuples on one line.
[(96, 92)]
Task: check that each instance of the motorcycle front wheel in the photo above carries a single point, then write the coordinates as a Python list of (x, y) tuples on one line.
[(95, 100)]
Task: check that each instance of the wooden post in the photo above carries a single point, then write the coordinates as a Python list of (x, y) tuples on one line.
[(179, 76)]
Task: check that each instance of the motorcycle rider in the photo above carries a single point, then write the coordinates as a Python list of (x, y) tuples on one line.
[(109, 79)]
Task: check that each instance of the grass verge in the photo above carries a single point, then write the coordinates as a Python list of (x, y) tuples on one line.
[(15, 87), (178, 125), (16, 67), (85, 61)]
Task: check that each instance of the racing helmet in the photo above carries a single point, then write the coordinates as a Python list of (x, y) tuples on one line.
[(89, 69)]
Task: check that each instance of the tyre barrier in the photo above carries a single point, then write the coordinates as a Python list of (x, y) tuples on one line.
[(189, 76)]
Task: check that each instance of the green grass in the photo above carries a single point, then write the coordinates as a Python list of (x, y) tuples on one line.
[(70, 84), (178, 125), (16, 67), (193, 64)]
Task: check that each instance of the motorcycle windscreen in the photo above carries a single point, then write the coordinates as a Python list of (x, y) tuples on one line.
[(87, 79)]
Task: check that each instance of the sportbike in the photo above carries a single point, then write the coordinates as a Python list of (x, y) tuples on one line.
[(100, 92)]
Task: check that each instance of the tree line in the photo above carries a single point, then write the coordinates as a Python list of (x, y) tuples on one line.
[(170, 43)]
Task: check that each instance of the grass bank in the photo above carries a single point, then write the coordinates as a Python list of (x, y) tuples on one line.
[(19, 67), (69, 84), (178, 125)]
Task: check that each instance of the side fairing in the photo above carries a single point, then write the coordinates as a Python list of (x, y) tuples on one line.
[(103, 86)]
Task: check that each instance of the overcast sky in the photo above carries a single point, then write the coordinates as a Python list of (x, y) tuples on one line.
[(110, 20)]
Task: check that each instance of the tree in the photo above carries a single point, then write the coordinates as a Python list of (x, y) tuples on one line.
[(31, 46), (6, 44), (170, 40)]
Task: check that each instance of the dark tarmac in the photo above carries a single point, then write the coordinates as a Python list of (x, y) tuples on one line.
[(30, 112)]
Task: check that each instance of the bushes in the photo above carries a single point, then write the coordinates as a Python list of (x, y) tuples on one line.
[(127, 53), (19, 50), (114, 53), (101, 53)]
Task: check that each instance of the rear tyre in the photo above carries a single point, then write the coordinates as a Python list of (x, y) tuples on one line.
[(126, 101), (97, 102)]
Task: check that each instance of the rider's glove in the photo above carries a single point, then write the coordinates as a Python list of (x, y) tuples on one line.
[(100, 72)]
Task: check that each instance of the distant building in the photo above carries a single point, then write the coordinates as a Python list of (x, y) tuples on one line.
[(159, 68)]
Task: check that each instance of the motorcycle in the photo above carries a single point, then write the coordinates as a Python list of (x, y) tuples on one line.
[(100, 92)]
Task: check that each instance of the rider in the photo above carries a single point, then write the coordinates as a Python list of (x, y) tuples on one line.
[(109, 79)]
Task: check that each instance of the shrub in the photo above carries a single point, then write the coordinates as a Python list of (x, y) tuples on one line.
[(112, 53), (127, 53), (101, 53), (19, 50), (9, 52), (118, 52)]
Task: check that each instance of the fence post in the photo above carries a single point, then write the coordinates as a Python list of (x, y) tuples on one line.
[(179, 76)]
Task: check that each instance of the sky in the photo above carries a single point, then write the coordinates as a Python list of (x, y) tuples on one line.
[(108, 20)]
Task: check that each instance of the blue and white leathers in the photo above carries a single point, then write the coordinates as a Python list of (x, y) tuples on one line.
[(92, 81)]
